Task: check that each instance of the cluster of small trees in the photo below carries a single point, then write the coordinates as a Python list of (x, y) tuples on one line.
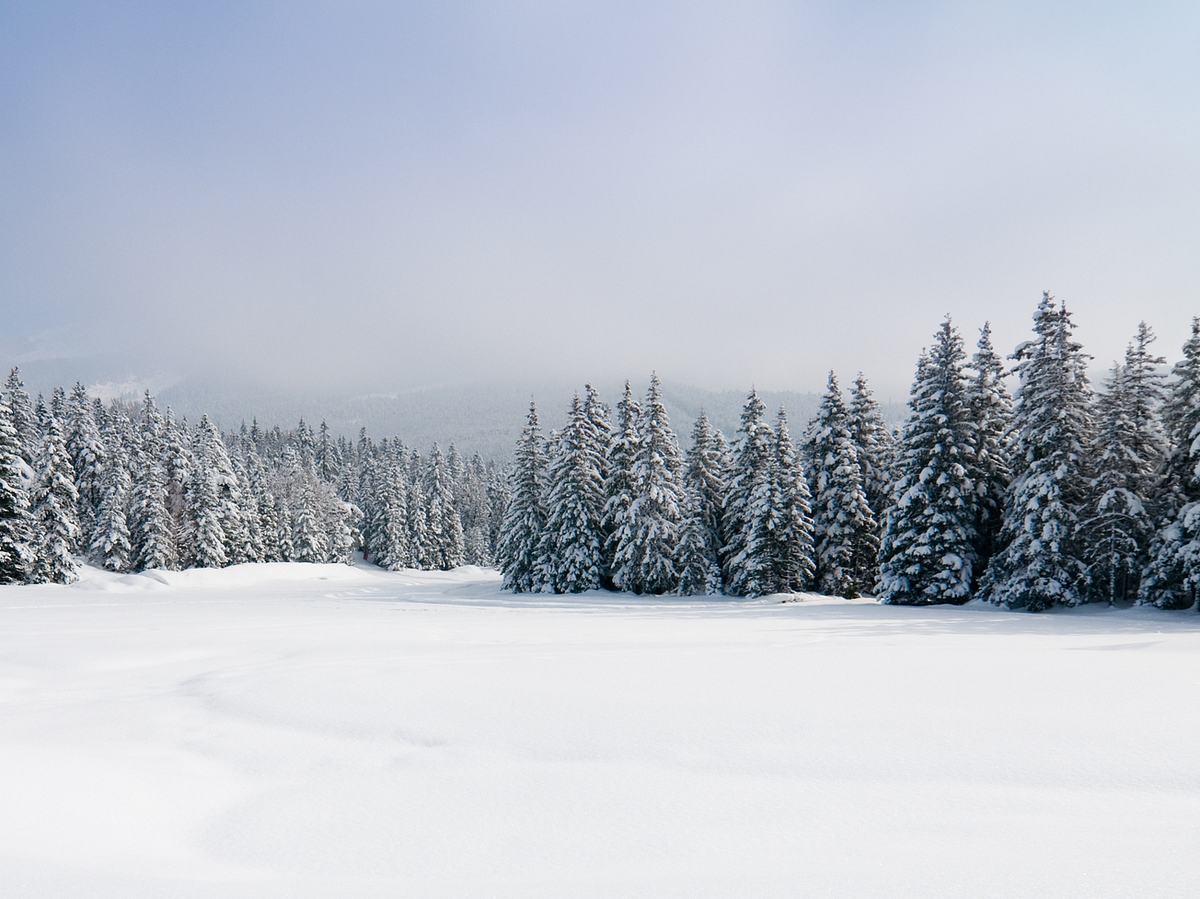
[(616, 504), (1050, 496), (132, 488)]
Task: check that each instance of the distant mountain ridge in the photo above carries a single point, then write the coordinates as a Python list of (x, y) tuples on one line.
[(478, 417)]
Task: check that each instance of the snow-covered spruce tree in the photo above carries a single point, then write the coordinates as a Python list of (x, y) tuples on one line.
[(24, 421), (283, 539), (1145, 393), (749, 515), (699, 571), (419, 536), (55, 521), (110, 545), (991, 472), (1172, 574), (707, 474), (1116, 528), (392, 539), (213, 462), (927, 553), (644, 561), (618, 485), (176, 457), (445, 527), (151, 524), (309, 538), (846, 540), (795, 553), (88, 456), (16, 553), (600, 431), (525, 518), (327, 457), (872, 443), (208, 533), (1040, 564), (571, 548), (252, 545), (498, 497)]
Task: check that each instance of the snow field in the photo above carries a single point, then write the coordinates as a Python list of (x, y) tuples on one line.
[(302, 730)]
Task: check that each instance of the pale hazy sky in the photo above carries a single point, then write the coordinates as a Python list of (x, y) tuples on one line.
[(729, 193)]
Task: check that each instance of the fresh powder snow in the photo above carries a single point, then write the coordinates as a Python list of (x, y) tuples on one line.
[(285, 730)]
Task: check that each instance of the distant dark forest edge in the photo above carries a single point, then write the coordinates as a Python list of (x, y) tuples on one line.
[(1053, 495)]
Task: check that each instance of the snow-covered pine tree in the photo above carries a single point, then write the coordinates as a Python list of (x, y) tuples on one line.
[(110, 545), (707, 474), (24, 421), (1172, 575), (445, 527), (16, 554), (699, 572), (991, 411), (618, 485), (497, 498), (1144, 390), (208, 532), (1116, 527), (419, 532), (310, 539), (751, 513), (927, 553), (283, 540), (151, 525), (88, 456), (54, 513), (872, 444), (645, 558), (525, 518), (394, 548), (795, 553), (1040, 563), (571, 549), (846, 533), (176, 456), (600, 432), (328, 459)]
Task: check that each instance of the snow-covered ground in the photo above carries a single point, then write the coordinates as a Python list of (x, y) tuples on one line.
[(294, 730)]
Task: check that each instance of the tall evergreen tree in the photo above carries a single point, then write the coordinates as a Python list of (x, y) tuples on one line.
[(571, 548), (927, 552), (750, 510), (110, 545), (445, 527), (644, 559), (1172, 575), (525, 518), (991, 411), (1040, 564), (872, 444), (699, 572), (88, 456), (847, 542), (24, 421), (619, 483), (795, 553), (15, 551), (1116, 526), (706, 474), (55, 522)]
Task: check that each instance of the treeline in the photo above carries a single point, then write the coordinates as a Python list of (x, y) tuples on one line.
[(1054, 496), (131, 488)]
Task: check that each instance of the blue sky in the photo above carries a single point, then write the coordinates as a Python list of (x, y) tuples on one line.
[(730, 193)]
